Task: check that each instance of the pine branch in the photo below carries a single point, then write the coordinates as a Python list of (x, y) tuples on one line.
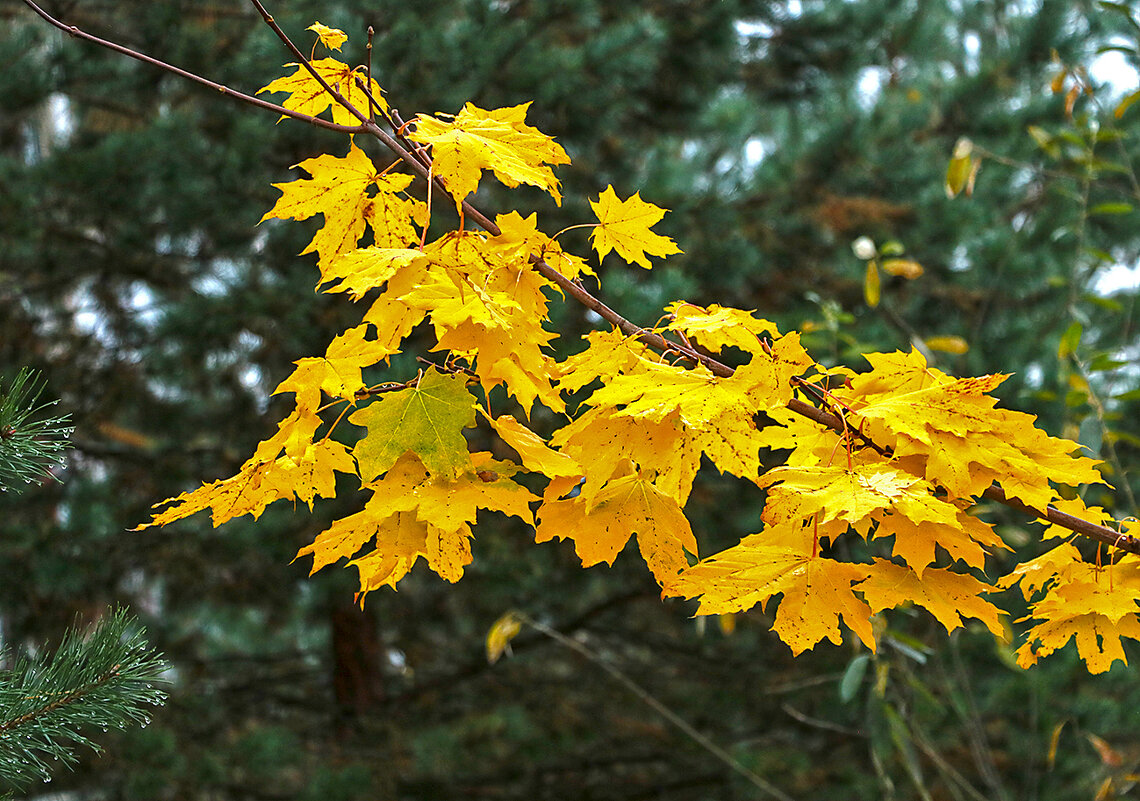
[(103, 678), (29, 447)]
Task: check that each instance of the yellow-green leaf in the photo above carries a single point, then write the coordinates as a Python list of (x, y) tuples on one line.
[(427, 418), (871, 286), (948, 344)]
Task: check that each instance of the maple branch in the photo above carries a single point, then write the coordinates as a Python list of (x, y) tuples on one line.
[(77, 33), (416, 159)]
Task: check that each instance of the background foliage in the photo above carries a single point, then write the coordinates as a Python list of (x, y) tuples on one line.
[(133, 276)]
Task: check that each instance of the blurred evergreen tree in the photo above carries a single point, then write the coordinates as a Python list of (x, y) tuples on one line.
[(132, 274)]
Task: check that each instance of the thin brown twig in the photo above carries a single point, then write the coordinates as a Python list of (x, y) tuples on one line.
[(77, 33), (661, 709)]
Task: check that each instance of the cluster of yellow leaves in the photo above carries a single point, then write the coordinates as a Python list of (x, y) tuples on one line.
[(899, 482), (1094, 604)]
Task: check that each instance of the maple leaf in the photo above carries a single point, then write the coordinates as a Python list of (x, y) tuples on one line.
[(714, 411), (416, 513), (624, 226), (945, 594), (498, 140), (487, 311), (521, 235), (536, 455), (1056, 564), (817, 591), (427, 418), (961, 535), (339, 190), (831, 493), (1095, 605), (308, 96), (338, 371), (951, 426), (332, 38), (360, 270), (608, 354), (260, 483), (601, 442), (807, 441), (628, 504), (718, 327), (767, 377)]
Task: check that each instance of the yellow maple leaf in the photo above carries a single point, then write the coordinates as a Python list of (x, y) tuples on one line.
[(715, 412), (768, 376), (601, 442), (833, 493), (1097, 638), (817, 591), (962, 536), (338, 371), (608, 354), (485, 310), (427, 419), (358, 271), (1095, 605), (1056, 564), (809, 443), (536, 455), (623, 225), (307, 96), (945, 594), (304, 475), (498, 140), (340, 190), (952, 427), (717, 327), (521, 234), (332, 38), (416, 513), (628, 504)]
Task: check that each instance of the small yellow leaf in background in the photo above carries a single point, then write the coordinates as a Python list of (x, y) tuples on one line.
[(1054, 740), (505, 629), (623, 225), (1070, 340), (960, 171), (948, 344), (1057, 84), (907, 268), (331, 38), (1118, 112), (871, 286), (727, 623)]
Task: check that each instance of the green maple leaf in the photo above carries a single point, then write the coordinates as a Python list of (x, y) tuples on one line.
[(428, 418)]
